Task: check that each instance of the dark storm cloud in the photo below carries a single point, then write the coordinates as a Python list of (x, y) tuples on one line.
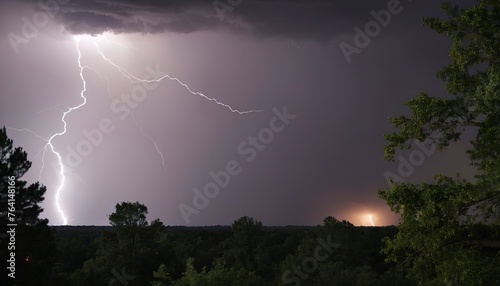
[(300, 19), (93, 23)]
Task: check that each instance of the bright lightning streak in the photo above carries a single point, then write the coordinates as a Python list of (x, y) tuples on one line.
[(371, 220), (53, 107), (152, 141), (62, 171), (27, 130), (133, 78), (136, 123), (43, 149)]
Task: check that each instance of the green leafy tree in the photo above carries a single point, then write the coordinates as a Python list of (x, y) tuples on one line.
[(34, 248), (161, 277), (219, 275), (448, 233)]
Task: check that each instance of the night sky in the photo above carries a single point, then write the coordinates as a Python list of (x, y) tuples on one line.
[(317, 87)]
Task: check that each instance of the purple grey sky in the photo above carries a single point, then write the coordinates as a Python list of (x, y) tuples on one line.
[(261, 55)]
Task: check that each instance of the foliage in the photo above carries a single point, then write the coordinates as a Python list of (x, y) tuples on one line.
[(162, 277), (206, 255), (338, 253), (438, 242), (217, 276)]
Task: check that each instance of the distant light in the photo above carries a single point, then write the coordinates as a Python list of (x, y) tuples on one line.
[(371, 219)]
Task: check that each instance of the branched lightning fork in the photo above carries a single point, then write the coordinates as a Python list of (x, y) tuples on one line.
[(137, 124), (27, 130), (133, 78), (38, 136), (62, 171), (150, 138), (53, 107), (44, 150)]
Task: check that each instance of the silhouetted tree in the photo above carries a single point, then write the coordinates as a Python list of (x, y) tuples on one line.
[(127, 220), (245, 248), (34, 241)]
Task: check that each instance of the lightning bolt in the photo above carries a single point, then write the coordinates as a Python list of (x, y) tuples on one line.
[(44, 150), (49, 144), (36, 135), (150, 139), (133, 78), (371, 220), (54, 107)]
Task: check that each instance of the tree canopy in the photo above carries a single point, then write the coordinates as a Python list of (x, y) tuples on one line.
[(448, 233)]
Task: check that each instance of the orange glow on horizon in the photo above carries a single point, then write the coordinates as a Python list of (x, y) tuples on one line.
[(365, 218)]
